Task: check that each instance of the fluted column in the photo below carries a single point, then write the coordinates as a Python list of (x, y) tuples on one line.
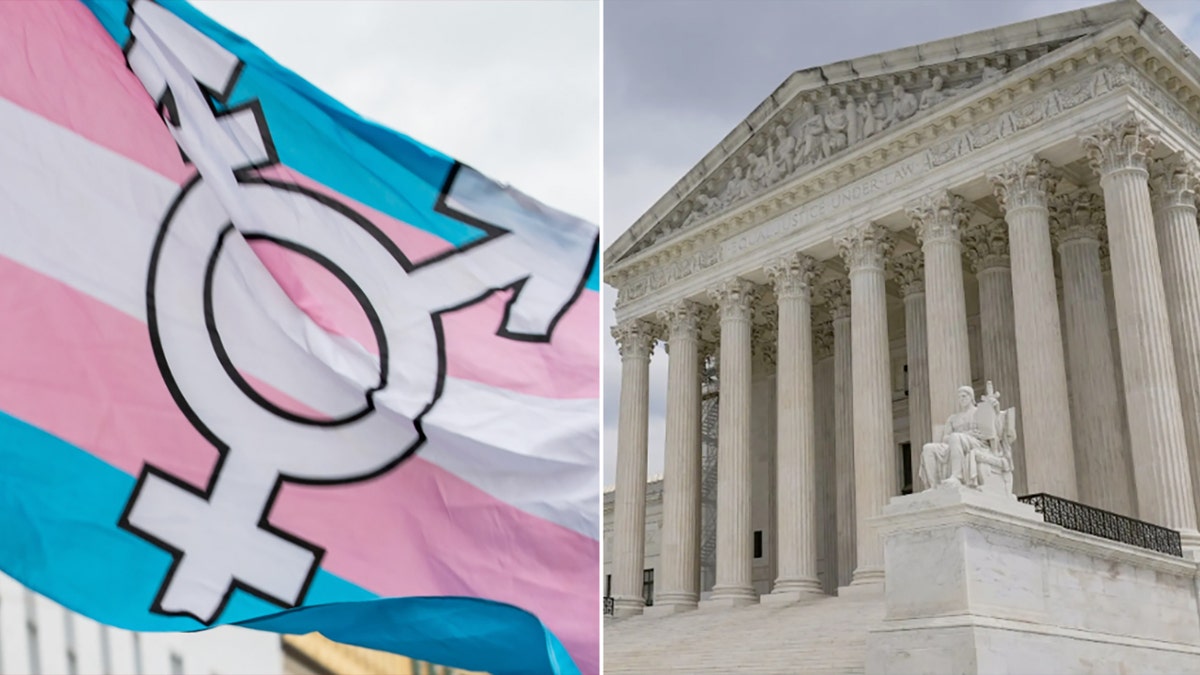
[(678, 587), (1023, 188), (836, 295), (1105, 475), (937, 221), (1174, 182), (1117, 151), (863, 248), (1110, 305), (635, 341), (795, 447), (734, 535), (909, 272), (987, 250), (824, 393)]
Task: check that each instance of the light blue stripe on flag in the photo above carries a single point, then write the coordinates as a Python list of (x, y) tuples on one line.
[(59, 507)]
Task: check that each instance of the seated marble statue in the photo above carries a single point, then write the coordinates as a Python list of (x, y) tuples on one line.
[(975, 447)]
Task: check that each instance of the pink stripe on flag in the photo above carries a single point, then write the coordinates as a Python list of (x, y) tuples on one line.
[(85, 88), (85, 372), (546, 569), (567, 367), (88, 90)]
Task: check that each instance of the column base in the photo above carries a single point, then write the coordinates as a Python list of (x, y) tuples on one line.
[(624, 606), (867, 581), (727, 597), (1189, 540), (788, 591)]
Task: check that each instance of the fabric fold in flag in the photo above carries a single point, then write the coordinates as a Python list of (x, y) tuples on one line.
[(269, 363)]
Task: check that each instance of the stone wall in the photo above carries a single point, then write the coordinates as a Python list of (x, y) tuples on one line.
[(979, 584)]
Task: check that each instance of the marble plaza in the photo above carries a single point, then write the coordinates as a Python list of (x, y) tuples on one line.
[(971, 266)]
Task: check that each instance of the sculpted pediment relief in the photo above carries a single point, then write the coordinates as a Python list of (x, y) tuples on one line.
[(822, 123)]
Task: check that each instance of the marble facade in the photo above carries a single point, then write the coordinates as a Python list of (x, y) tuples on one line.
[(1014, 206)]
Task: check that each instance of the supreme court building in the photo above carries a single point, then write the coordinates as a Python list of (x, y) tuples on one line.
[(1014, 206)]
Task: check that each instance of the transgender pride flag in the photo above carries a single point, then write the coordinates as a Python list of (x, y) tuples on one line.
[(264, 362)]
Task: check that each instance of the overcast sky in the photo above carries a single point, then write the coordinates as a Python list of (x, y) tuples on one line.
[(511, 88), (678, 76)]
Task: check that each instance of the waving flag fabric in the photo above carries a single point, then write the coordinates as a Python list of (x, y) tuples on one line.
[(265, 362)]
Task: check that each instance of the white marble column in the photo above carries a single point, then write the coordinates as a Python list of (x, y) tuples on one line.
[(863, 248), (1110, 305), (937, 221), (836, 296), (1118, 152), (678, 585), (908, 270), (1174, 201), (824, 392), (987, 250), (1105, 474), (734, 536), (795, 447), (1023, 188), (635, 340)]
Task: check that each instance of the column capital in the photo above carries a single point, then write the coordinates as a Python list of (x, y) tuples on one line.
[(1119, 144), (734, 297), (986, 245), (1173, 182), (908, 269), (683, 318), (1023, 183), (835, 294), (635, 338), (939, 216), (822, 340), (1078, 216), (792, 275), (864, 247)]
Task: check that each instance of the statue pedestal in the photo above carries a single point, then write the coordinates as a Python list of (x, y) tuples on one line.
[(978, 583)]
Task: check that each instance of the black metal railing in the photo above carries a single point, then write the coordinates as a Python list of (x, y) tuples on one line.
[(608, 606), (1100, 523)]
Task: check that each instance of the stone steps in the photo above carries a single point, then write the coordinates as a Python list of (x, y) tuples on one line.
[(823, 636)]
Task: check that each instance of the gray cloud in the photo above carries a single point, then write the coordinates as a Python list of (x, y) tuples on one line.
[(678, 76)]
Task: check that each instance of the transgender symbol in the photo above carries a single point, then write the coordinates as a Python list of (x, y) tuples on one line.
[(211, 303)]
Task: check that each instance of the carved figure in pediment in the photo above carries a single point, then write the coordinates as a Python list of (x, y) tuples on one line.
[(737, 187), (991, 74), (702, 204), (853, 126), (783, 153), (935, 94), (759, 169), (836, 124), (904, 105), (812, 134), (872, 115)]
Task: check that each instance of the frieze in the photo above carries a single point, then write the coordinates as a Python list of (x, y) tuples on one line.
[(1030, 113), (1064, 97), (822, 207)]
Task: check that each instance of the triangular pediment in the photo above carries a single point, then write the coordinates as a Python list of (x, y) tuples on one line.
[(819, 114)]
